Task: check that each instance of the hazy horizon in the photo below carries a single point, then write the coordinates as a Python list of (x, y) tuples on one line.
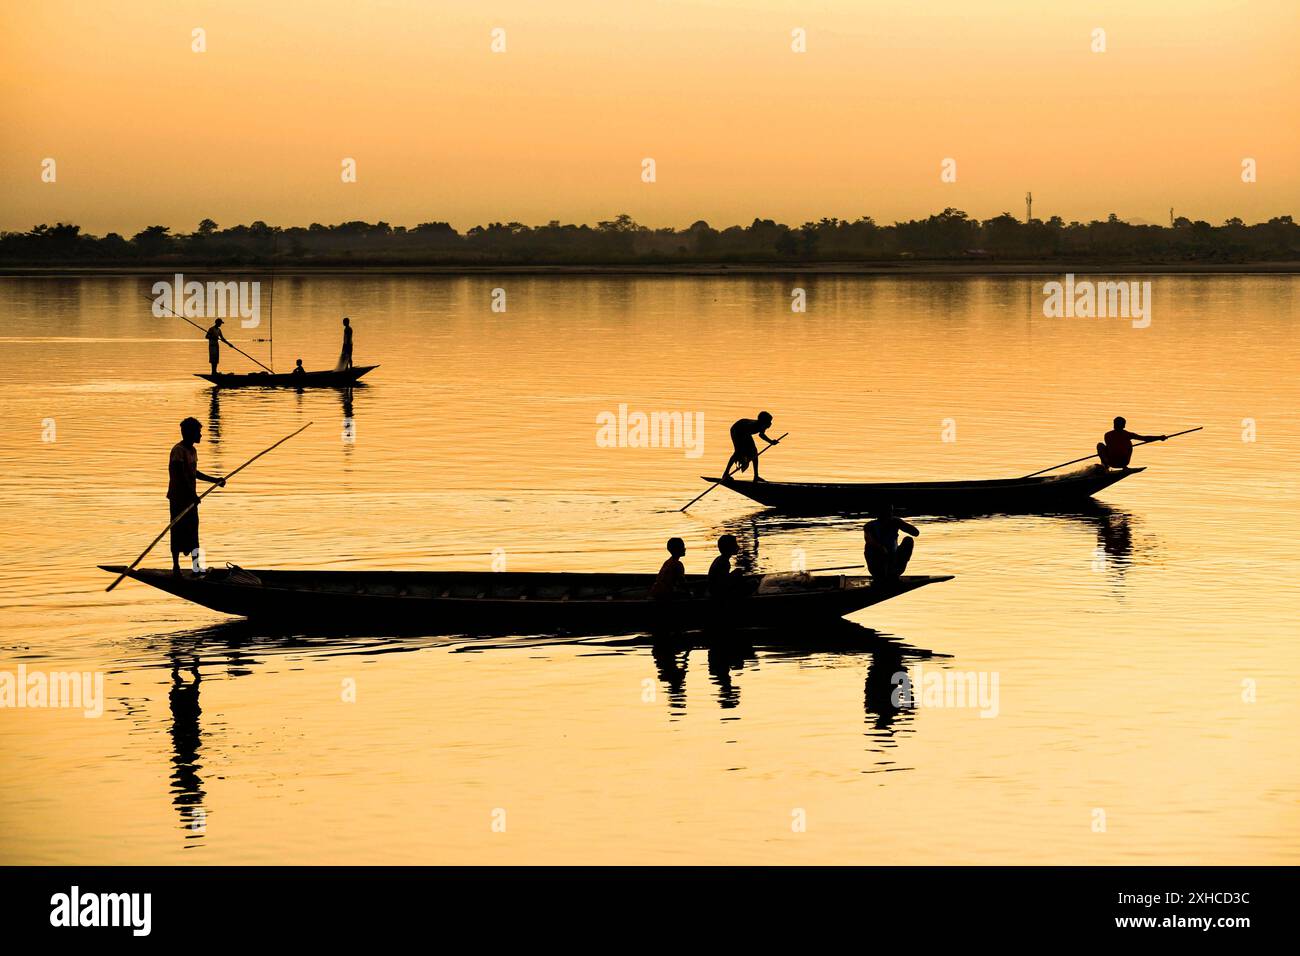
[(145, 131)]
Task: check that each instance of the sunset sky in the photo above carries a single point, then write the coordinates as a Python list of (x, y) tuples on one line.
[(143, 130)]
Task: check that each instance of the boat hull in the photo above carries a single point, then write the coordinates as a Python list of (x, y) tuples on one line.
[(326, 379), (433, 602), (1011, 495)]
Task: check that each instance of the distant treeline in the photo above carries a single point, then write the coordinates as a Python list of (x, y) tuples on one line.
[(950, 235)]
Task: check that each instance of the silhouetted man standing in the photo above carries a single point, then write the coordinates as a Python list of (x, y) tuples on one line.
[(214, 335), (345, 357), (182, 470)]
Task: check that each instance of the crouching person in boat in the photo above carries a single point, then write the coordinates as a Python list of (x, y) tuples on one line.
[(1116, 449), (182, 492), (887, 558), (744, 450), (670, 585)]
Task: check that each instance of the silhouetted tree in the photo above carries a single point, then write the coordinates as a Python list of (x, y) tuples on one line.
[(950, 234)]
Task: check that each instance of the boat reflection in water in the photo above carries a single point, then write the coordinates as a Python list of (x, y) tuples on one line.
[(727, 655), (237, 648), (1115, 551)]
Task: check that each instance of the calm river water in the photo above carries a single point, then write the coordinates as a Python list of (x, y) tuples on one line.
[(1145, 650)]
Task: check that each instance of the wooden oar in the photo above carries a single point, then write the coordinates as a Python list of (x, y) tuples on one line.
[(1094, 454), (118, 579), (725, 476), (205, 332)]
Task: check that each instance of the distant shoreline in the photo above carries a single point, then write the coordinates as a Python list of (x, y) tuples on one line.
[(932, 268)]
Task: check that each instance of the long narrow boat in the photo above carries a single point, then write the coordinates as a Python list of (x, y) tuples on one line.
[(1014, 495), (329, 378), (508, 602)]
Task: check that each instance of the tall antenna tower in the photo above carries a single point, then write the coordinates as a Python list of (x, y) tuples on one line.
[(1029, 207)]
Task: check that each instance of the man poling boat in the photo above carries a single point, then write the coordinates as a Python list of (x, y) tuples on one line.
[(180, 514), (182, 494), (726, 474), (744, 449), (215, 336)]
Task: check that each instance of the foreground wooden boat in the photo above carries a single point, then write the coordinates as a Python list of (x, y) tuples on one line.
[(1014, 495), (456, 602), (326, 379)]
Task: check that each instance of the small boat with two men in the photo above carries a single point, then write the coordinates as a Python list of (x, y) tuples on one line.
[(1011, 495), (343, 375), (1036, 492), (298, 378)]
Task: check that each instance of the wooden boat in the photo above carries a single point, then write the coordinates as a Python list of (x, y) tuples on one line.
[(326, 379), (1013, 495), (508, 602)]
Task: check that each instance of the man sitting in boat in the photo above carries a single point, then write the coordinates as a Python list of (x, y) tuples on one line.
[(745, 451), (671, 582), (1116, 449), (886, 558), (725, 583), (182, 470), (298, 369), (214, 335)]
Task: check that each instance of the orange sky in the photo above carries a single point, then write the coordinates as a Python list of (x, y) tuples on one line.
[(145, 131)]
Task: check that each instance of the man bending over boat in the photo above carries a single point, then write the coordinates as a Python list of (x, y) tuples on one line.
[(886, 558), (745, 451), (671, 582), (1116, 449), (182, 470), (214, 335)]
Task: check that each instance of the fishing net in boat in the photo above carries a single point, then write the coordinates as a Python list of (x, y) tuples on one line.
[(788, 581), (237, 575)]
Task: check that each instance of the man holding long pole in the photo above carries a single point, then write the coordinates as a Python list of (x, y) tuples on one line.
[(1116, 449), (215, 336), (182, 494), (744, 450)]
